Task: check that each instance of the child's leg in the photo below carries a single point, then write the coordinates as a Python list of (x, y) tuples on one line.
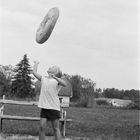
[(55, 125), (43, 122)]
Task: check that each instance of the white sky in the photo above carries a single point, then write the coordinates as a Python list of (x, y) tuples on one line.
[(97, 39)]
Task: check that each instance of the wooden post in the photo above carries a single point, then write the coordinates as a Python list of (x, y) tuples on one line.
[(63, 116), (3, 97), (0, 124), (64, 129), (1, 110), (61, 109), (1, 113)]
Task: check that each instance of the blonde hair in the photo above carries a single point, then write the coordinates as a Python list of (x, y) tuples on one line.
[(56, 70)]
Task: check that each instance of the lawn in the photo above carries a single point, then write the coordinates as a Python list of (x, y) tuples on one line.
[(104, 122)]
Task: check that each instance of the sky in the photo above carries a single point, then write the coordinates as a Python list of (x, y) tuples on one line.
[(97, 39)]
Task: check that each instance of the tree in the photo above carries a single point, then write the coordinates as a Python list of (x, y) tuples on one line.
[(6, 73), (76, 86), (87, 92), (22, 84), (83, 90), (4, 85)]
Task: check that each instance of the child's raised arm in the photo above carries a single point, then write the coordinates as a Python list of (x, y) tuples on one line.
[(60, 81), (35, 67)]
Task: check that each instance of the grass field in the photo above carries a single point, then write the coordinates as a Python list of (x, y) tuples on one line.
[(103, 123)]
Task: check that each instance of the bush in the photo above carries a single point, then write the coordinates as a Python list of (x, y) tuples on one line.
[(134, 105), (102, 102), (82, 102)]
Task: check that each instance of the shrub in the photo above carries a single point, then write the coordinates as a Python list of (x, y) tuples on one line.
[(102, 102), (134, 105), (82, 102)]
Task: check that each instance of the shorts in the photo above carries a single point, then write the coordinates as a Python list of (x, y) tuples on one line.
[(50, 114)]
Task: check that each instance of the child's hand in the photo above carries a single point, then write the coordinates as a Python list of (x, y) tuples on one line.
[(52, 75)]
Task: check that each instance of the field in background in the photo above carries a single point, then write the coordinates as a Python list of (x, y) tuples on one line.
[(101, 121)]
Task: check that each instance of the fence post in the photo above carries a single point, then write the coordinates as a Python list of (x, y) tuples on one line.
[(1, 113)]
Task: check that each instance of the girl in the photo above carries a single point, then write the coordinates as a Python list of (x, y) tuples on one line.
[(49, 100)]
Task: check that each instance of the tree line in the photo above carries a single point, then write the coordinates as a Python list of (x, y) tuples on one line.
[(19, 83), (121, 94)]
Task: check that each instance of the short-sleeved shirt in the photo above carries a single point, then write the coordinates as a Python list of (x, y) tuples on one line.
[(49, 94)]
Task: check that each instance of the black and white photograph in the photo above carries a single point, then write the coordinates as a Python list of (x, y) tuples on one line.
[(69, 70)]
